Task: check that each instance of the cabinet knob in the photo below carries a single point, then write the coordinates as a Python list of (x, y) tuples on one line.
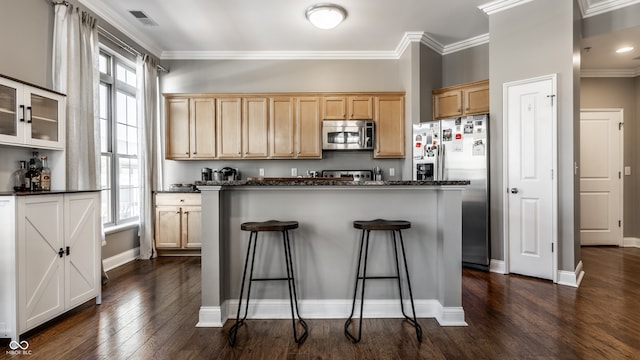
[(195, 152), (61, 252), (186, 213), (181, 200), (178, 212), (187, 153)]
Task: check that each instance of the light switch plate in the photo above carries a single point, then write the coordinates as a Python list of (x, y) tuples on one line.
[(294, 171), (261, 172), (627, 170), (392, 171)]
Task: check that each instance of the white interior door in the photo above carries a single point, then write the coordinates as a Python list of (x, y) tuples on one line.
[(530, 151), (601, 146)]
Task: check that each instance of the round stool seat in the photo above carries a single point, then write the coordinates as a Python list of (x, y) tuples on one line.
[(381, 224), (271, 225)]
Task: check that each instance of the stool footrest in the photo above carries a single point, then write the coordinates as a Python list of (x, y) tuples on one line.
[(272, 279), (377, 277)]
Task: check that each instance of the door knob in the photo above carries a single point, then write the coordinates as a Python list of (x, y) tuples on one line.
[(514, 190)]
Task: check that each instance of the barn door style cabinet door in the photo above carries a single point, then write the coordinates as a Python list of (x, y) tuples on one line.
[(52, 256), (31, 116)]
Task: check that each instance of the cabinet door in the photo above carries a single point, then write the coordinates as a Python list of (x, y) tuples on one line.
[(360, 107), (191, 227), (308, 137), (447, 104), (202, 128), (40, 237), (282, 127), (12, 112), (255, 128), (82, 247), (168, 231), (177, 128), (389, 122), (45, 118), (229, 127), (476, 99), (334, 107)]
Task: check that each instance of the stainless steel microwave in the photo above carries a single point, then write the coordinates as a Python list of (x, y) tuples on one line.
[(347, 135)]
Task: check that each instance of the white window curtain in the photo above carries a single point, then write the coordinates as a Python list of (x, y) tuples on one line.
[(75, 73), (149, 140)]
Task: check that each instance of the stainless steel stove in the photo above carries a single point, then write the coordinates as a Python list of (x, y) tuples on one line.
[(357, 175)]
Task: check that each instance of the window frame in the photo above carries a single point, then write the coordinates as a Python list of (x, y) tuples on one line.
[(114, 87)]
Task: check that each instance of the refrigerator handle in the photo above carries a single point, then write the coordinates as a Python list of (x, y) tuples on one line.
[(441, 163)]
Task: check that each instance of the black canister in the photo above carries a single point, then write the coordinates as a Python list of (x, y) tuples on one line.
[(206, 174)]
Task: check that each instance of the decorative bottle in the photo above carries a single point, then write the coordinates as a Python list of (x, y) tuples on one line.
[(33, 175), (19, 180), (45, 175)]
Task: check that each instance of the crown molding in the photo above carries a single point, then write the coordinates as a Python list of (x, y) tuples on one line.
[(118, 22), (588, 9), (466, 44), (610, 73), (497, 6), (278, 55)]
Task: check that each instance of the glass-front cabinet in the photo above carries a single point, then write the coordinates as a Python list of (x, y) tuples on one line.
[(31, 116)]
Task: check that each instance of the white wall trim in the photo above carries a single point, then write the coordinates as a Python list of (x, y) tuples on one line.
[(211, 316), (466, 44), (121, 259), (631, 242), (569, 278), (598, 73), (497, 266), (588, 9), (497, 6)]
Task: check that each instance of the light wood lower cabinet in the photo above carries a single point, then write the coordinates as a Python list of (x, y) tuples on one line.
[(51, 257), (178, 221)]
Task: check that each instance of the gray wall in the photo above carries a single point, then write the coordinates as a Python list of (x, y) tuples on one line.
[(466, 65), (621, 93), (519, 35)]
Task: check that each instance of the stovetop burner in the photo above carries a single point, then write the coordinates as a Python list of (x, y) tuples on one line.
[(357, 175)]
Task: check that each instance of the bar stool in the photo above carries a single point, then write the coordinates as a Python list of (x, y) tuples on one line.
[(361, 273), (255, 228)]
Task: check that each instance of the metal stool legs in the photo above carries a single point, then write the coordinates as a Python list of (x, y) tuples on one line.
[(364, 247), (293, 297)]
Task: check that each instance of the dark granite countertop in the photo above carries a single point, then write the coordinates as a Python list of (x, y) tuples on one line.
[(35, 193), (176, 191), (312, 182)]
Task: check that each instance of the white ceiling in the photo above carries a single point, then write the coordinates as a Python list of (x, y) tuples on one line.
[(215, 29)]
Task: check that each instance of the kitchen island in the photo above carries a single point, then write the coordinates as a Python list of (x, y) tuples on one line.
[(325, 246)]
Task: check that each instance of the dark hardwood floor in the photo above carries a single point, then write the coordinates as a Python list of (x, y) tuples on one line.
[(150, 309)]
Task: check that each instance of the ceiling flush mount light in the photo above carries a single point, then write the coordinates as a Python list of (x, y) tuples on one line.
[(624, 49), (326, 16)]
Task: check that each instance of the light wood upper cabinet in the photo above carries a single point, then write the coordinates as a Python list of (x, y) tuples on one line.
[(308, 128), (282, 127), (295, 128), (347, 107), (461, 100), (255, 127), (229, 127), (190, 128), (389, 122)]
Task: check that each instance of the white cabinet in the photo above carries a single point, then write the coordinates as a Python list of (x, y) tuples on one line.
[(51, 248), (31, 116)]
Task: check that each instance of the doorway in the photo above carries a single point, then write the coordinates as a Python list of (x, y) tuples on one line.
[(530, 153), (601, 178)]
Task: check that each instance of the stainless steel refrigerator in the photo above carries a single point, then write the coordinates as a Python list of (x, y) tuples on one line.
[(458, 149)]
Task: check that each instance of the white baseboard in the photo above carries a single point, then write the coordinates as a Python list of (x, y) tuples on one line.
[(497, 266), (631, 242), (569, 278), (330, 309), (121, 259)]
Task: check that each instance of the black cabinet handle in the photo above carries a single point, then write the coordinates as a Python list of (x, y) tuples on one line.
[(22, 109), (61, 252), (68, 252), (29, 110)]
